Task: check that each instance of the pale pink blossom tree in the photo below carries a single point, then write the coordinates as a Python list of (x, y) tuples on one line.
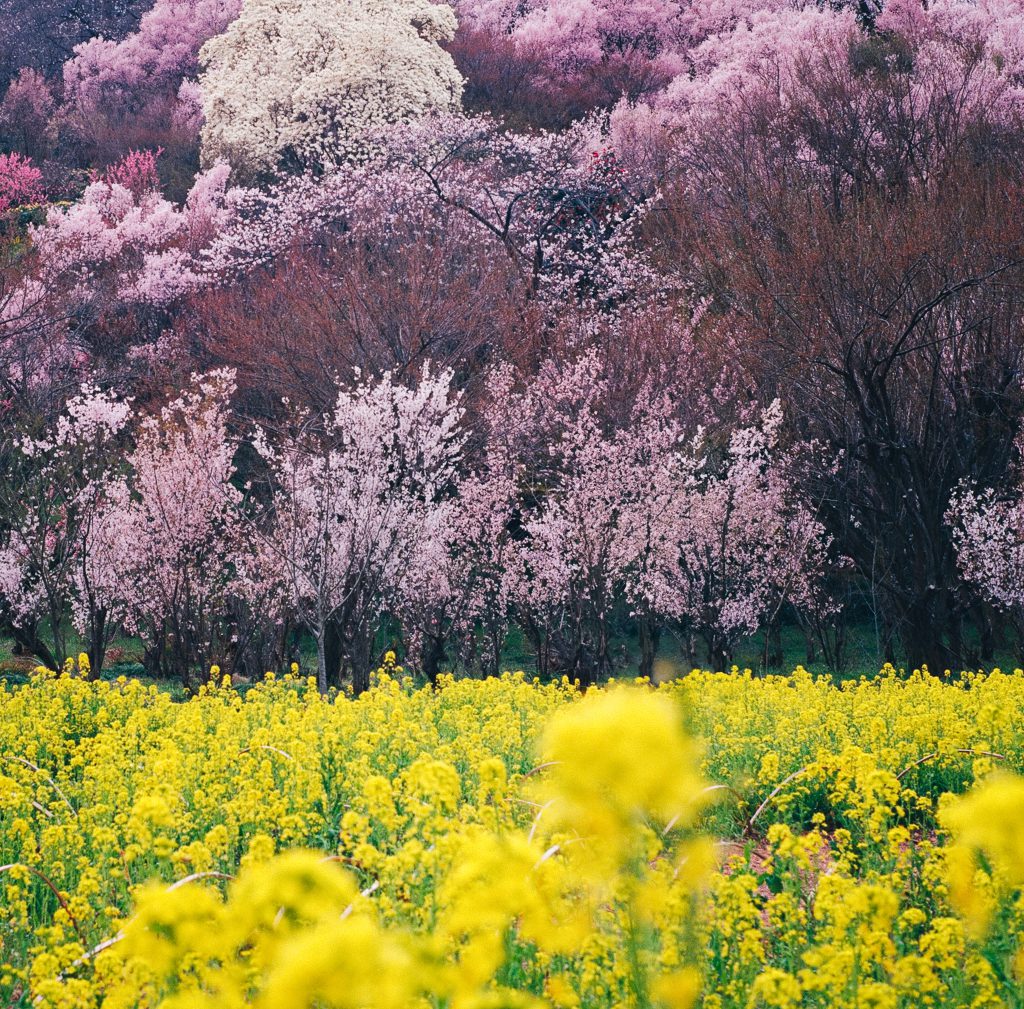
[(354, 495), (849, 106), (119, 247), (26, 114), (988, 533), (455, 583), (55, 506), (733, 538), (590, 501), (566, 214), (171, 532), (629, 512), (605, 48)]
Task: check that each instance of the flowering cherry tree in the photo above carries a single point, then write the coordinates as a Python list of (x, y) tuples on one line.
[(794, 76), (354, 496), (136, 172), (565, 214), (128, 245), (734, 540), (142, 74), (26, 113), (456, 580), (586, 529), (988, 534), (624, 513), (624, 47), (55, 506), (20, 182), (308, 84), (170, 535)]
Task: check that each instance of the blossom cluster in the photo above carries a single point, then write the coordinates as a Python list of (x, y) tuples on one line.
[(20, 182), (308, 86)]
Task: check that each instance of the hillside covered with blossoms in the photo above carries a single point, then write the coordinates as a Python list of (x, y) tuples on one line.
[(599, 330)]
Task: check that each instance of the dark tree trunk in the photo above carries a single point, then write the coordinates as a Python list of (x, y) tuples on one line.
[(359, 660), (97, 643), (28, 642), (810, 648), (719, 653), (433, 656), (773, 656), (650, 639), (333, 654)]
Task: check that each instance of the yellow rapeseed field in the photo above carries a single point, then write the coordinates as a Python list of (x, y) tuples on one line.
[(719, 841)]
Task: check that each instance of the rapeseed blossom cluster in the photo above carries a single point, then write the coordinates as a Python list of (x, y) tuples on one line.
[(723, 841)]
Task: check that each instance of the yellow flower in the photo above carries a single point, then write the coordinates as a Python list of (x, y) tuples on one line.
[(617, 757), (678, 990), (990, 819), (775, 989)]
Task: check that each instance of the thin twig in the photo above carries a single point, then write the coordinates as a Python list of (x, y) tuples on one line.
[(46, 879), (39, 770), (774, 792), (266, 746), (932, 756)]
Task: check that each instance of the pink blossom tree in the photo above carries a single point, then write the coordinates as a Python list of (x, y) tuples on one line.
[(354, 495), (121, 246), (732, 539), (20, 182), (599, 49), (136, 172), (849, 106), (26, 114), (93, 284), (108, 83), (55, 507), (988, 534), (170, 536), (590, 501), (455, 582), (628, 511)]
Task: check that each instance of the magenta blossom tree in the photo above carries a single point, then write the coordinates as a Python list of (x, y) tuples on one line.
[(20, 182)]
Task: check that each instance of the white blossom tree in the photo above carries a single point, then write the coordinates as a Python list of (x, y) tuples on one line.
[(988, 533), (306, 84)]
